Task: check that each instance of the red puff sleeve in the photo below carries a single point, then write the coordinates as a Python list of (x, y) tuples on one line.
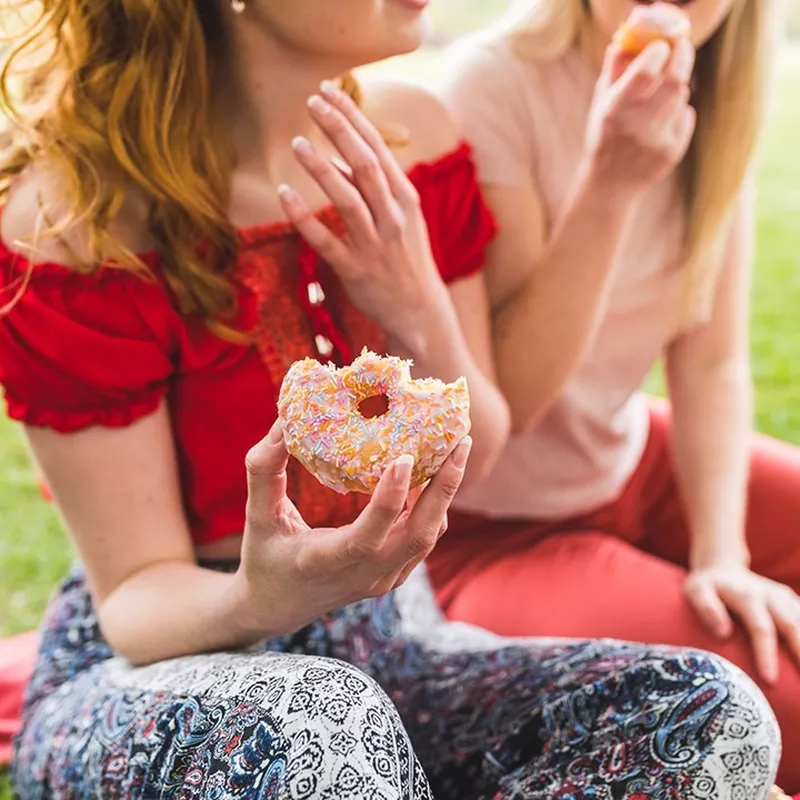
[(460, 223), (78, 350)]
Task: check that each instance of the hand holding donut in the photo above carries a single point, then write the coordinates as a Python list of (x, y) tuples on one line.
[(384, 261), (641, 122), (291, 574)]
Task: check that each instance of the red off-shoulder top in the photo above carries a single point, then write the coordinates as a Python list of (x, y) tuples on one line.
[(78, 351)]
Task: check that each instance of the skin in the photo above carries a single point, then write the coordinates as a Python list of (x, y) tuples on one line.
[(153, 601), (554, 288)]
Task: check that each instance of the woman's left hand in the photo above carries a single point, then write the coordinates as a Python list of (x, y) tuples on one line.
[(384, 261), (768, 610)]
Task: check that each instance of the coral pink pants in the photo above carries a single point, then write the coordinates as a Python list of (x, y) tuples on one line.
[(619, 572)]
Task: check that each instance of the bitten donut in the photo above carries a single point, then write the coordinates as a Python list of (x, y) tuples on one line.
[(646, 24), (324, 429)]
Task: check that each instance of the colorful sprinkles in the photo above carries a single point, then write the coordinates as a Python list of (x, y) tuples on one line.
[(324, 430)]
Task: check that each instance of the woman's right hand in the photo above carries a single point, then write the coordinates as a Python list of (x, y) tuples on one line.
[(291, 574), (641, 121)]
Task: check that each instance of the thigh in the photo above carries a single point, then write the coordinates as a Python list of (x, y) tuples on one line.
[(773, 505), (595, 586), (581, 585), (773, 514), (264, 725), (228, 725), (591, 719)]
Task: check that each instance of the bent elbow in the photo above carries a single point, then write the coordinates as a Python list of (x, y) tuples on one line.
[(487, 452)]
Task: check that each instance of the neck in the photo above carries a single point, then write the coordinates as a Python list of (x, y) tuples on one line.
[(266, 95), (594, 42)]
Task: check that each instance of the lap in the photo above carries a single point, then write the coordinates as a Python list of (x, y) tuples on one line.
[(304, 726), (521, 716), (586, 585), (773, 505)]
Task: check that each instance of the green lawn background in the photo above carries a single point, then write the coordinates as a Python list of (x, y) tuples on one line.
[(34, 554)]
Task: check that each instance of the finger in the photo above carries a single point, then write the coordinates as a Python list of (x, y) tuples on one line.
[(266, 476), (709, 607), (663, 114), (615, 62), (420, 531), (757, 619), (786, 613), (681, 65), (367, 535), (644, 75), (414, 495), (403, 574), (368, 172), (683, 128), (346, 197), (344, 168), (318, 235), (401, 187)]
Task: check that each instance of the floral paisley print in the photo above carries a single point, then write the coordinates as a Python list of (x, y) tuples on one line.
[(357, 708)]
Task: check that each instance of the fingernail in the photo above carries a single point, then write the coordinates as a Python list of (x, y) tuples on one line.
[(275, 435), (316, 103), (402, 470), (462, 452), (302, 145), (287, 193), (329, 88)]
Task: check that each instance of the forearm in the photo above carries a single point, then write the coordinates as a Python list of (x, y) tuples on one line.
[(442, 352), (175, 609), (543, 330), (711, 435)]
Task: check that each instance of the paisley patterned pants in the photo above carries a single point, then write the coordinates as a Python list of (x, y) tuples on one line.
[(356, 708)]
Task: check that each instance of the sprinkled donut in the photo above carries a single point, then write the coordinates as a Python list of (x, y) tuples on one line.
[(325, 430), (647, 24)]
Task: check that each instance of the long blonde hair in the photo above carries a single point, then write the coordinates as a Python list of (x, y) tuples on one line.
[(120, 95), (730, 95)]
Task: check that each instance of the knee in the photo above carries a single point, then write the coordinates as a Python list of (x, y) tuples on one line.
[(719, 719)]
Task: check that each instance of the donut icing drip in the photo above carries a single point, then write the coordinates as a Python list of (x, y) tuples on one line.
[(325, 431)]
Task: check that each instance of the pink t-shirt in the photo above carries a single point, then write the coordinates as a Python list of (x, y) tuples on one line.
[(526, 120)]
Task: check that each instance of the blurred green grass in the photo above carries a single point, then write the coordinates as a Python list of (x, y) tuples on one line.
[(34, 553)]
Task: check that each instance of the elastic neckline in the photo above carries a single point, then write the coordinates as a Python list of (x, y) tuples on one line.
[(282, 229)]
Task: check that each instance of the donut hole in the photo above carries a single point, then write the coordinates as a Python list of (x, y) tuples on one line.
[(375, 406)]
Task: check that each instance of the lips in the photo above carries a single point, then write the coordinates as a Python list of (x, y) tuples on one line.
[(416, 5)]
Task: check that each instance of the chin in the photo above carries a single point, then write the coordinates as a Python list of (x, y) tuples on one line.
[(409, 35)]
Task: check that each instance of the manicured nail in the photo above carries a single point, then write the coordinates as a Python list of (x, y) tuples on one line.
[(302, 145), (275, 435), (402, 470), (462, 452), (330, 89), (288, 195), (316, 103)]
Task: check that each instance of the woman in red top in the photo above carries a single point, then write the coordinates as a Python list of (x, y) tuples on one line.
[(212, 643)]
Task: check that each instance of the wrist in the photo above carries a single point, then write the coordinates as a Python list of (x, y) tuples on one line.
[(432, 334), (251, 617), (601, 188), (731, 554)]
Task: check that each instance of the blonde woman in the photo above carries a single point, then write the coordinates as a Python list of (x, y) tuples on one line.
[(621, 187)]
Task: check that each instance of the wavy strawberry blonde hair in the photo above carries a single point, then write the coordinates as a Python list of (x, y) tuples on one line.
[(120, 94), (730, 91)]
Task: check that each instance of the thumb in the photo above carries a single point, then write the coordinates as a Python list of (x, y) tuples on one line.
[(266, 476), (708, 605)]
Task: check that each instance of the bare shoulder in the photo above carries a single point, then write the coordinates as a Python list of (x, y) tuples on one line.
[(410, 107), (38, 201)]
